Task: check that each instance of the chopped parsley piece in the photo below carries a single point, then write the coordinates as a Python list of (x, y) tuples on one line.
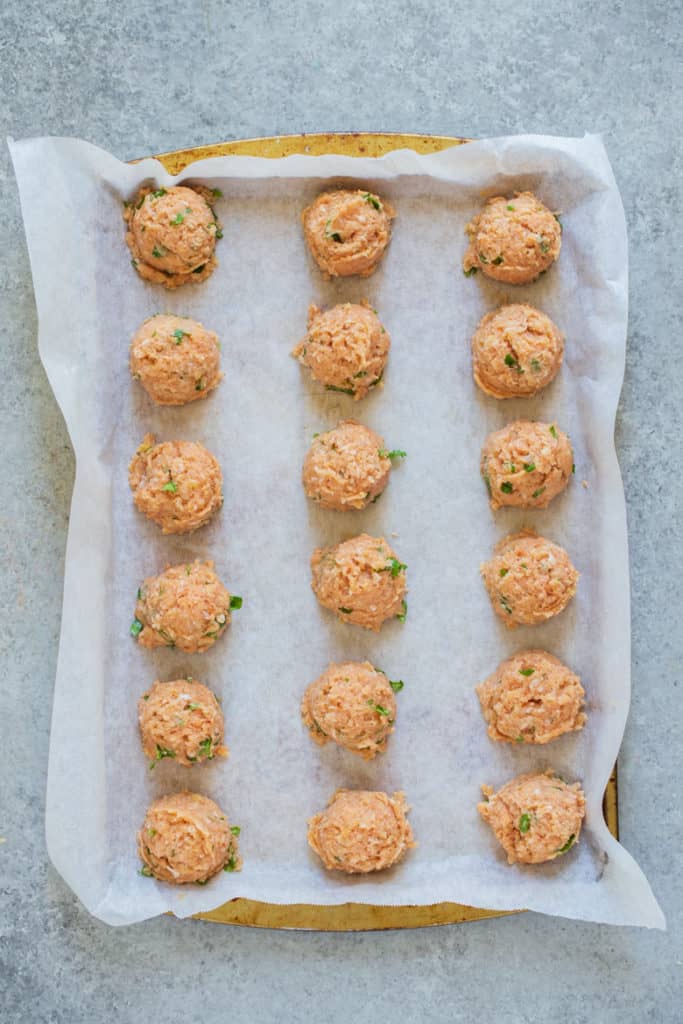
[(396, 685), (568, 844), (191, 706), (200, 384), (536, 365), (334, 235), (524, 824), (361, 373), (373, 200), (156, 251), (545, 246), (161, 753), (346, 611), (205, 748), (538, 493), (468, 273), (140, 202), (529, 467), (159, 193), (506, 487), (487, 481), (512, 362), (497, 262), (171, 487), (231, 865), (395, 453), (394, 567), (573, 467), (179, 334), (403, 614), (178, 219), (505, 603), (504, 572), (510, 206), (553, 431), (219, 233), (135, 628), (139, 593), (235, 829), (526, 671), (344, 391), (377, 707), (236, 602), (510, 467), (198, 270), (216, 193), (201, 881), (559, 222), (147, 872)]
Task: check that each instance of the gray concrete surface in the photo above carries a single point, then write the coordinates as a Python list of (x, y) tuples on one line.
[(152, 76)]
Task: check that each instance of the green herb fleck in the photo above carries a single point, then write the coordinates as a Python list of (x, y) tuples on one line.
[(487, 481), (161, 753), (536, 365), (171, 487), (573, 467), (235, 829), (524, 824), (140, 202), (200, 384), (198, 270), (147, 872), (346, 611), (334, 235), (159, 193), (216, 193), (396, 685), (553, 431), (343, 391), (529, 467), (236, 602), (373, 200), (559, 222), (497, 262), (567, 845), (526, 671), (545, 246), (201, 881), (395, 453), (191, 706), (179, 334), (510, 206), (506, 487), (135, 628), (403, 614), (231, 865), (468, 273), (156, 251), (394, 567), (361, 373), (377, 707), (219, 233), (504, 572), (205, 748), (505, 603), (512, 362), (538, 493), (178, 219), (482, 258)]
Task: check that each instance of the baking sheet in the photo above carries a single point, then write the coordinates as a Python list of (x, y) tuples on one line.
[(435, 514)]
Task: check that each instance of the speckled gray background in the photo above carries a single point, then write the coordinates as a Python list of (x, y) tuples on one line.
[(146, 77)]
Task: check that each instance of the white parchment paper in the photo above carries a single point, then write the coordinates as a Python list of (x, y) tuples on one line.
[(435, 513)]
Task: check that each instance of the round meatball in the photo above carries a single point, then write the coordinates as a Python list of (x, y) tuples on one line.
[(535, 818), (182, 720), (177, 484), (172, 234), (186, 837), (360, 579), (175, 359), (361, 831), (346, 468), (346, 348), (186, 607), (532, 698), (526, 464), (352, 704), (348, 231), (513, 240), (516, 351), (529, 579)]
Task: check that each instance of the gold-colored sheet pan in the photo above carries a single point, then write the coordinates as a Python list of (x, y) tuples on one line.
[(347, 917)]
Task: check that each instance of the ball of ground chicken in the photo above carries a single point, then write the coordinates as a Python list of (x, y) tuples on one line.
[(516, 351), (360, 579), (532, 698), (361, 831), (529, 579), (176, 484), (175, 359), (348, 231), (346, 468), (346, 348), (526, 464), (181, 719), (186, 607), (535, 818), (172, 234), (186, 837), (352, 704), (513, 240)]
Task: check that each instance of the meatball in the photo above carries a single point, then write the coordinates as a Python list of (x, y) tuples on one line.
[(361, 831), (360, 579), (175, 359), (513, 240), (172, 234), (346, 348), (352, 704), (526, 464), (529, 579), (177, 484), (183, 720), (186, 837), (346, 468), (348, 231), (532, 698), (186, 607), (535, 818), (516, 351)]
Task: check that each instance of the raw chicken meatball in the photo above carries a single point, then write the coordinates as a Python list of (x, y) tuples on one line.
[(176, 484), (175, 359), (529, 579), (516, 351), (513, 240), (361, 831), (186, 837), (183, 720), (348, 231), (532, 698), (172, 234), (347, 468), (360, 579), (352, 704), (186, 607), (346, 348), (526, 464), (535, 818)]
